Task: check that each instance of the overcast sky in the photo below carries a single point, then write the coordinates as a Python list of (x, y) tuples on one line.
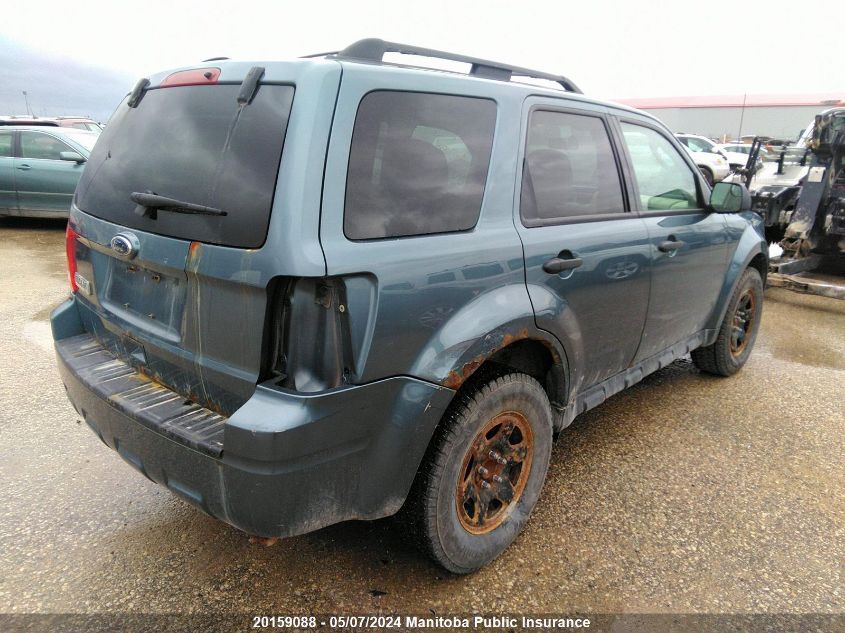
[(81, 58)]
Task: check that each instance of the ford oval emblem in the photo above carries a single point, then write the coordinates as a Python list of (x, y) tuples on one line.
[(125, 245)]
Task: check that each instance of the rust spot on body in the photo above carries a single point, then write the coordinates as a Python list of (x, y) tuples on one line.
[(194, 256), (456, 378)]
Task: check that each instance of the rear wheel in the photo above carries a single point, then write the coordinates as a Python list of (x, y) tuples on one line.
[(483, 473), (738, 331)]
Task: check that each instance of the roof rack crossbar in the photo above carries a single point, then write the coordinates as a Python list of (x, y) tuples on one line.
[(374, 49)]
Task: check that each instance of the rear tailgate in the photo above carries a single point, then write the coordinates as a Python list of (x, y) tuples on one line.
[(179, 296)]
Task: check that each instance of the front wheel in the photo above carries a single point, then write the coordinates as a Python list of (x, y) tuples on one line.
[(482, 474), (738, 331), (708, 176)]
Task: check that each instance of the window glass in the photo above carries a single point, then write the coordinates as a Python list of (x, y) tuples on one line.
[(38, 145), (664, 178), (697, 144), (5, 144), (195, 144), (80, 137), (418, 164), (569, 168)]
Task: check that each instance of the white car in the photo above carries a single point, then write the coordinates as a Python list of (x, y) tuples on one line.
[(741, 151), (713, 163)]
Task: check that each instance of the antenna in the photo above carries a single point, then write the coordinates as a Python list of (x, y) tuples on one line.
[(26, 100)]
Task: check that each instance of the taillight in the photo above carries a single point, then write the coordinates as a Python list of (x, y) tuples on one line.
[(70, 247), (194, 77)]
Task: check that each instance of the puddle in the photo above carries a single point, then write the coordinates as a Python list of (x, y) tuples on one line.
[(810, 355), (804, 329), (43, 237)]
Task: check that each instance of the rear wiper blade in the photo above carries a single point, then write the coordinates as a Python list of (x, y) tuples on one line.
[(149, 204)]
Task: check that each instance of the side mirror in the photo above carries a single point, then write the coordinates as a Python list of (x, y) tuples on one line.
[(730, 197), (72, 157)]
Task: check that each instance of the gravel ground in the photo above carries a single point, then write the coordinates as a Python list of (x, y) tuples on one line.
[(686, 493)]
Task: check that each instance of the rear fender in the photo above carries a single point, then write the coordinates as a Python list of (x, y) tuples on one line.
[(486, 325)]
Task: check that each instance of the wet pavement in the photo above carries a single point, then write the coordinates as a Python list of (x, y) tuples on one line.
[(684, 493)]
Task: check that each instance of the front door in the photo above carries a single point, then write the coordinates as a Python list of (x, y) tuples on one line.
[(44, 181), (586, 255), (8, 198), (689, 248)]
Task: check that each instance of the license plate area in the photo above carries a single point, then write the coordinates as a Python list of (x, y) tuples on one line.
[(149, 299)]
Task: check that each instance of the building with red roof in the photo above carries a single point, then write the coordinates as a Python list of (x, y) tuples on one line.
[(781, 116)]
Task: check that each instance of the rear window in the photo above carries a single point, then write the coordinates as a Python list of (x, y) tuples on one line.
[(197, 145), (418, 164)]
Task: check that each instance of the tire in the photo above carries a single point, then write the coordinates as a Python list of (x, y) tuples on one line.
[(708, 175), (462, 536), (738, 331)]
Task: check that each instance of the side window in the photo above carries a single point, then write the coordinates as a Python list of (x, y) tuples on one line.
[(569, 168), (5, 144), (418, 164), (38, 145), (664, 178)]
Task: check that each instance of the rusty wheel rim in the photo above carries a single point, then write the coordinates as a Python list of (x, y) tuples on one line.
[(494, 472), (743, 322)]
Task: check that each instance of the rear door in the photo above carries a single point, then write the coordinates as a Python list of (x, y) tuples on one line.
[(8, 197), (688, 243), (586, 254), (44, 181)]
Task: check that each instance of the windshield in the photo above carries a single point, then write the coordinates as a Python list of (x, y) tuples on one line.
[(698, 144), (195, 144), (86, 139)]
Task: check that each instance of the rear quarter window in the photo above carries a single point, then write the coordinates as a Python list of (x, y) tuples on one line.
[(418, 164)]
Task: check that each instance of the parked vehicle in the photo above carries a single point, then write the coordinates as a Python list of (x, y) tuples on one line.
[(39, 169), (801, 197), (714, 164), (79, 123), (740, 150), (333, 288)]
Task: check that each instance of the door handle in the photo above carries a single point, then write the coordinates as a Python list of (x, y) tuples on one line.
[(671, 245), (558, 264), (24, 167)]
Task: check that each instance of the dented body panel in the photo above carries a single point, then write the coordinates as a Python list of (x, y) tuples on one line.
[(289, 463), (292, 385)]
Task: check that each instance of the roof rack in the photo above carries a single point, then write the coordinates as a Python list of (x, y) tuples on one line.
[(374, 49)]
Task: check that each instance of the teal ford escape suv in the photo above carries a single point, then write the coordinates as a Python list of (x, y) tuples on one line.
[(338, 288)]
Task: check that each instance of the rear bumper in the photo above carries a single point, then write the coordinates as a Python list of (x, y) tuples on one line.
[(289, 463)]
